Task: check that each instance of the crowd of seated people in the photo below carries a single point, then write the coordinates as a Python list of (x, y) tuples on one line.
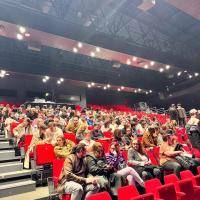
[(89, 167)]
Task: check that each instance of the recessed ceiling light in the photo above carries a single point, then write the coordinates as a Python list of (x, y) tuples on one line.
[(196, 74), (98, 49), (3, 72), (128, 62), (190, 76), (152, 63), (80, 45), (75, 50), (185, 71), (108, 86), (46, 77), (27, 34), (179, 73), (135, 91), (89, 86), (20, 36), (92, 54), (104, 87), (122, 87), (44, 80), (139, 90), (167, 67), (47, 94), (61, 79), (146, 66), (134, 58), (92, 83), (161, 69), (58, 82), (150, 91), (119, 89), (22, 29), (147, 93)]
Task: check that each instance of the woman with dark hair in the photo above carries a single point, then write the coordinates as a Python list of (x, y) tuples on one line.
[(63, 147), (118, 138), (140, 162), (149, 138)]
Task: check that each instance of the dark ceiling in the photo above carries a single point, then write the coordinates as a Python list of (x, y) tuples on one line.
[(164, 34)]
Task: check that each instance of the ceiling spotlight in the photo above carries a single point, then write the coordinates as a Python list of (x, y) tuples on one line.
[(92, 54), (3, 72), (135, 91), (147, 93), (89, 86), (80, 45), (92, 83), (119, 89), (161, 70), (134, 58), (61, 79), (128, 62), (47, 94), (167, 67), (152, 63), (146, 66), (196, 74), (27, 34), (75, 50), (150, 91), (98, 49), (139, 90), (104, 87), (22, 29), (59, 82), (190, 76), (122, 87), (179, 73), (44, 80), (46, 77), (20, 36), (108, 86), (185, 71)]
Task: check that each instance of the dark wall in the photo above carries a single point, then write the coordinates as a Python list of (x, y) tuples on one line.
[(18, 89)]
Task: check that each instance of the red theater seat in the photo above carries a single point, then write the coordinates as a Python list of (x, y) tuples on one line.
[(70, 136), (100, 196), (198, 169), (131, 193), (57, 168), (27, 141), (188, 174), (108, 134), (44, 154), (106, 144)]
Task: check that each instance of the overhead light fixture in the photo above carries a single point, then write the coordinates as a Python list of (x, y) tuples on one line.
[(3, 72), (134, 58), (161, 70), (150, 91), (104, 87), (98, 49), (167, 67), (44, 80), (92, 84), (92, 54), (46, 77), (75, 50), (47, 94), (119, 89), (152, 63), (146, 66), (190, 76), (135, 91), (179, 73), (61, 79), (20, 36), (185, 71), (89, 86), (139, 90), (80, 45), (128, 62), (147, 93), (108, 86), (22, 29), (58, 82), (27, 34), (122, 87), (196, 74)]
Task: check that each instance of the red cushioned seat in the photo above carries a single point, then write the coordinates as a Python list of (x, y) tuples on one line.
[(70, 136), (106, 144), (188, 174), (44, 154), (57, 168), (100, 196), (130, 192), (108, 134), (198, 169), (151, 185), (66, 197), (27, 142), (12, 126)]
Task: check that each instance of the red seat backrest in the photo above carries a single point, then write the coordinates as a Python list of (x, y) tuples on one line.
[(27, 141), (57, 168), (186, 186), (166, 192), (100, 196), (106, 144), (44, 154), (151, 185), (152, 157), (12, 126), (127, 192), (144, 197), (70, 136), (198, 169), (188, 174), (108, 134), (172, 178)]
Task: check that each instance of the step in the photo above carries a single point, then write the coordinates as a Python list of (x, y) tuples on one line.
[(16, 174), (3, 139), (7, 155), (11, 188), (10, 167), (4, 145)]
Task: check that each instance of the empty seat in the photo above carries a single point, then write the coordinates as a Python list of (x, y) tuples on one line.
[(57, 168), (188, 174), (151, 185), (108, 134), (27, 141), (44, 154), (198, 169), (70, 136), (100, 196)]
